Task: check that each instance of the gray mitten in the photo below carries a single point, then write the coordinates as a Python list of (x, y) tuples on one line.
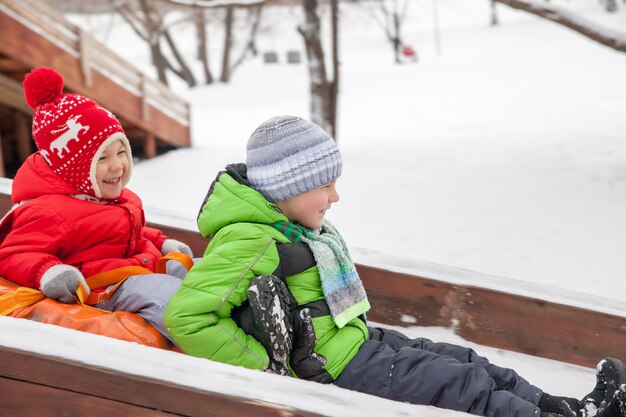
[(173, 245), (61, 282)]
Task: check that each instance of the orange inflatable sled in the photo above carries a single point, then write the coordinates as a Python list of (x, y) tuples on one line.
[(28, 303), (119, 324)]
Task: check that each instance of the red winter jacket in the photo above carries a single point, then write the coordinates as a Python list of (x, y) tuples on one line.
[(52, 227)]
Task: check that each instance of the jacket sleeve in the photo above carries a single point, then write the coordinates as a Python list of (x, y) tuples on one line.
[(32, 246), (199, 314), (154, 235)]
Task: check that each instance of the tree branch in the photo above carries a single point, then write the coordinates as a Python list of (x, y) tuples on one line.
[(607, 37)]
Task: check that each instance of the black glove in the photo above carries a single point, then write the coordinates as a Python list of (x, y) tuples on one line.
[(270, 307), (278, 368)]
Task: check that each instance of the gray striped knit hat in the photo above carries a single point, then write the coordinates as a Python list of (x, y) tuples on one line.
[(288, 156)]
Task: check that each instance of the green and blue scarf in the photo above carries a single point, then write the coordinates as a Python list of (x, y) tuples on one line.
[(343, 290)]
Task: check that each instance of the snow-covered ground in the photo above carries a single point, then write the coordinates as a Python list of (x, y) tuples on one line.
[(502, 151)]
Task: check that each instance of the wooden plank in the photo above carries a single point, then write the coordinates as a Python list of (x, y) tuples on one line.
[(9, 66), (149, 145), (19, 398), (2, 174), (540, 328), (494, 318), (22, 135), (5, 201), (85, 53), (129, 107), (401, 299), (47, 20), (145, 115), (71, 384), (12, 95)]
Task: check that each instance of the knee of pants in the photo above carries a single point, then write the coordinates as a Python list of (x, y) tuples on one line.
[(141, 292)]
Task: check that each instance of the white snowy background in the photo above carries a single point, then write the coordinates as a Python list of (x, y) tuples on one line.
[(503, 151)]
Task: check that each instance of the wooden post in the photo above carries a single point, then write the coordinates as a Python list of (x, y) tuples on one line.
[(83, 45), (145, 115), (22, 136), (149, 145)]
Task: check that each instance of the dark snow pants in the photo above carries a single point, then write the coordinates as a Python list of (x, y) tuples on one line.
[(419, 371)]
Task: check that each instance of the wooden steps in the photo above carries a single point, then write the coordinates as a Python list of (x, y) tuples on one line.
[(33, 35)]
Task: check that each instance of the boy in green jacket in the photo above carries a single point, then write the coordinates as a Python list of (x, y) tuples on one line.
[(268, 228)]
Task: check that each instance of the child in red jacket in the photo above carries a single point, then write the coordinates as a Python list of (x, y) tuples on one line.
[(72, 216)]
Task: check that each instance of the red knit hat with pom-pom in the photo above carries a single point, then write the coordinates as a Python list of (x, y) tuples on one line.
[(71, 131)]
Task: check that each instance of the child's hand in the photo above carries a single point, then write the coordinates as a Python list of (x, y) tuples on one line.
[(173, 245), (61, 282)]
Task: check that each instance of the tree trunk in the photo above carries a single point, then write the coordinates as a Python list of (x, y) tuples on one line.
[(396, 33), (159, 62), (146, 29), (203, 52), (228, 43), (184, 72), (255, 15), (319, 84), (611, 5), (148, 24), (334, 93), (494, 14)]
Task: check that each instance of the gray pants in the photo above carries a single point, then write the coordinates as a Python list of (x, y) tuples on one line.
[(148, 295), (419, 371)]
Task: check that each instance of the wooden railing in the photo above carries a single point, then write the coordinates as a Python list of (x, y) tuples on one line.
[(43, 19)]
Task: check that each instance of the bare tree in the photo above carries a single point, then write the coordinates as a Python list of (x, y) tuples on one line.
[(253, 23), (229, 12), (228, 43), (148, 22), (389, 19), (323, 89), (147, 18), (203, 46), (228, 18), (611, 38)]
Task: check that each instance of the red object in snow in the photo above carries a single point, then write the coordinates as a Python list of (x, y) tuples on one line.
[(408, 51)]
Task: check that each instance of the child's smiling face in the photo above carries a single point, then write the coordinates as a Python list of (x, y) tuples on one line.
[(112, 169), (309, 208)]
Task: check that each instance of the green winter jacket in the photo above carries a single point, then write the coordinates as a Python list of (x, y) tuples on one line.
[(244, 246)]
